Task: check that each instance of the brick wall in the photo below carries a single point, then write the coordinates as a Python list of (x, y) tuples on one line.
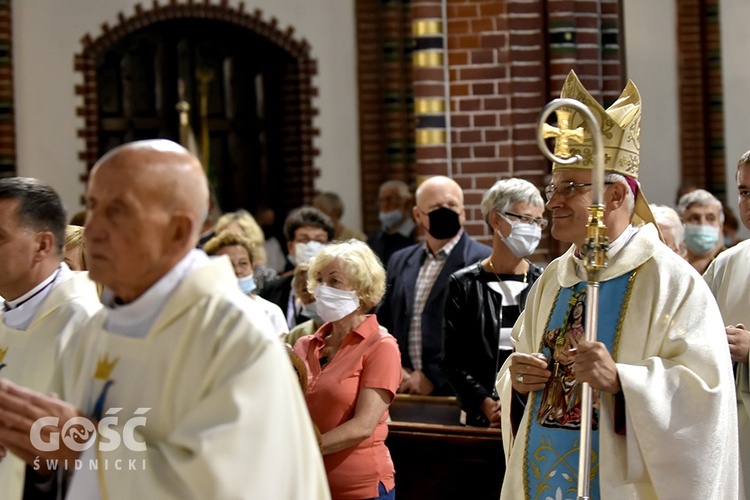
[(701, 103), (506, 61), (7, 120), (386, 127)]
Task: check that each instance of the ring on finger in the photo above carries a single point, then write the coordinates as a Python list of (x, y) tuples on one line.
[(519, 378)]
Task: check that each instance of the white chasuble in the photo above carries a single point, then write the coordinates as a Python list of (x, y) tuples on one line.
[(204, 406), (30, 357), (674, 371), (728, 276)]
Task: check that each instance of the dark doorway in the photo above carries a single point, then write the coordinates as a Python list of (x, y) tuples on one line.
[(253, 105)]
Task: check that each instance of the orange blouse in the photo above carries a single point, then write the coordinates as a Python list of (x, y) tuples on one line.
[(368, 357)]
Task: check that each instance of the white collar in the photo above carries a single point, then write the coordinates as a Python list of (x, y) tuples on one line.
[(21, 311), (136, 318)]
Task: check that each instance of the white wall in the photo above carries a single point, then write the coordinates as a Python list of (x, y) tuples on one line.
[(736, 72), (47, 34), (651, 37), (651, 62)]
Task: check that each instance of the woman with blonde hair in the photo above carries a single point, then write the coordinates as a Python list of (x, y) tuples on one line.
[(244, 224), (75, 249), (241, 254), (354, 370)]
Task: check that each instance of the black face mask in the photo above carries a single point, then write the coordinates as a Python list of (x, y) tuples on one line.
[(444, 223)]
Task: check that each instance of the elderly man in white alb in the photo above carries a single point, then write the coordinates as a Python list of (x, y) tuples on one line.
[(186, 388), (664, 421), (729, 277), (45, 305)]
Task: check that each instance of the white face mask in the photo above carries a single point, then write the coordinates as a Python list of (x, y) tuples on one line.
[(247, 284), (523, 238), (311, 311), (334, 304), (304, 252)]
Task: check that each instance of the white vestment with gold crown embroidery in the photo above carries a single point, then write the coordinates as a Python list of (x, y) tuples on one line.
[(224, 413)]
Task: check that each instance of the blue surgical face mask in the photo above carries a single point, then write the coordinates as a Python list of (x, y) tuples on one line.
[(391, 218), (247, 284), (701, 239)]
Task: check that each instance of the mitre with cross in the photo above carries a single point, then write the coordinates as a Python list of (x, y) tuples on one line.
[(621, 137)]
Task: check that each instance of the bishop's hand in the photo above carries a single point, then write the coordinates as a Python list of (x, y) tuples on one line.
[(528, 372), (594, 365)]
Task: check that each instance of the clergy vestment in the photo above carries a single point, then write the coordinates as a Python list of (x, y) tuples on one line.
[(222, 413), (728, 276), (29, 354), (674, 372)]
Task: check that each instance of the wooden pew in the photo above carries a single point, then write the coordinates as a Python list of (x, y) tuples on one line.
[(436, 458)]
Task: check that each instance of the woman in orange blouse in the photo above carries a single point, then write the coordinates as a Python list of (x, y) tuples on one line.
[(354, 369)]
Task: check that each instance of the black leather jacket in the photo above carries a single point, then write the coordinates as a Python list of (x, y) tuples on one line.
[(470, 337)]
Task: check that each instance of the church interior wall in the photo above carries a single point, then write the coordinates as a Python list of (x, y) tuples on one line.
[(47, 34)]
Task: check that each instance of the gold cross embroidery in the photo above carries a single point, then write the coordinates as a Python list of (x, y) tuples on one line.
[(564, 134)]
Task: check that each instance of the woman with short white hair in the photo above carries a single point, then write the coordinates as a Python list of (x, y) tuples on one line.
[(484, 300)]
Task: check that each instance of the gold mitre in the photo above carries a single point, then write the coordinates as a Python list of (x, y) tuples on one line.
[(620, 126)]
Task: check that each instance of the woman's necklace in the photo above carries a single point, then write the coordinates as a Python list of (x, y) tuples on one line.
[(492, 268)]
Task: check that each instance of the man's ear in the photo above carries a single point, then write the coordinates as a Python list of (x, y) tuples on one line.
[(45, 242), (617, 193), (181, 230)]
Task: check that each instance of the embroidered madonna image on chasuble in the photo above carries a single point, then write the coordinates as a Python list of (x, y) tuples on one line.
[(554, 429)]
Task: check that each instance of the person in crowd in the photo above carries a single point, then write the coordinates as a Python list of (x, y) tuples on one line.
[(412, 309), (208, 229), (659, 368), (354, 369), (728, 277), (671, 227), (332, 205), (484, 300), (309, 307), (265, 216), (702, 216), (242, 223), (241, 253), (730, 227), (307, 231), (397, 228), (180, 365), (74, 249), (45, 304)]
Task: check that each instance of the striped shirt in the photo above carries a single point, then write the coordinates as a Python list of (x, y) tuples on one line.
[(428, 273)]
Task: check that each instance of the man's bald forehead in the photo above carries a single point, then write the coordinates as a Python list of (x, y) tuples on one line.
[(440, 183), (174, 172)]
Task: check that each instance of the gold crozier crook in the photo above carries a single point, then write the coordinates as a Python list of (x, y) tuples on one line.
[(595, 247)]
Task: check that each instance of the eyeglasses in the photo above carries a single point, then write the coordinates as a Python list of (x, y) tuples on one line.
[(527, 219), (565, 189)]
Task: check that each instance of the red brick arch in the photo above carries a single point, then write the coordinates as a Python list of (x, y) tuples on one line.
[(301, 90)]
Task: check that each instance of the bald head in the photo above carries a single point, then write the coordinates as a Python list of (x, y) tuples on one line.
[(173, 174), (146, 202), (439, 185), (432, 195)]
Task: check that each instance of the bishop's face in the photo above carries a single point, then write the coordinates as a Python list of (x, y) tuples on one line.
[(570, 210)]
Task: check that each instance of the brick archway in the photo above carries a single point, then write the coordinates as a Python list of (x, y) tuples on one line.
[(298, 88)]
